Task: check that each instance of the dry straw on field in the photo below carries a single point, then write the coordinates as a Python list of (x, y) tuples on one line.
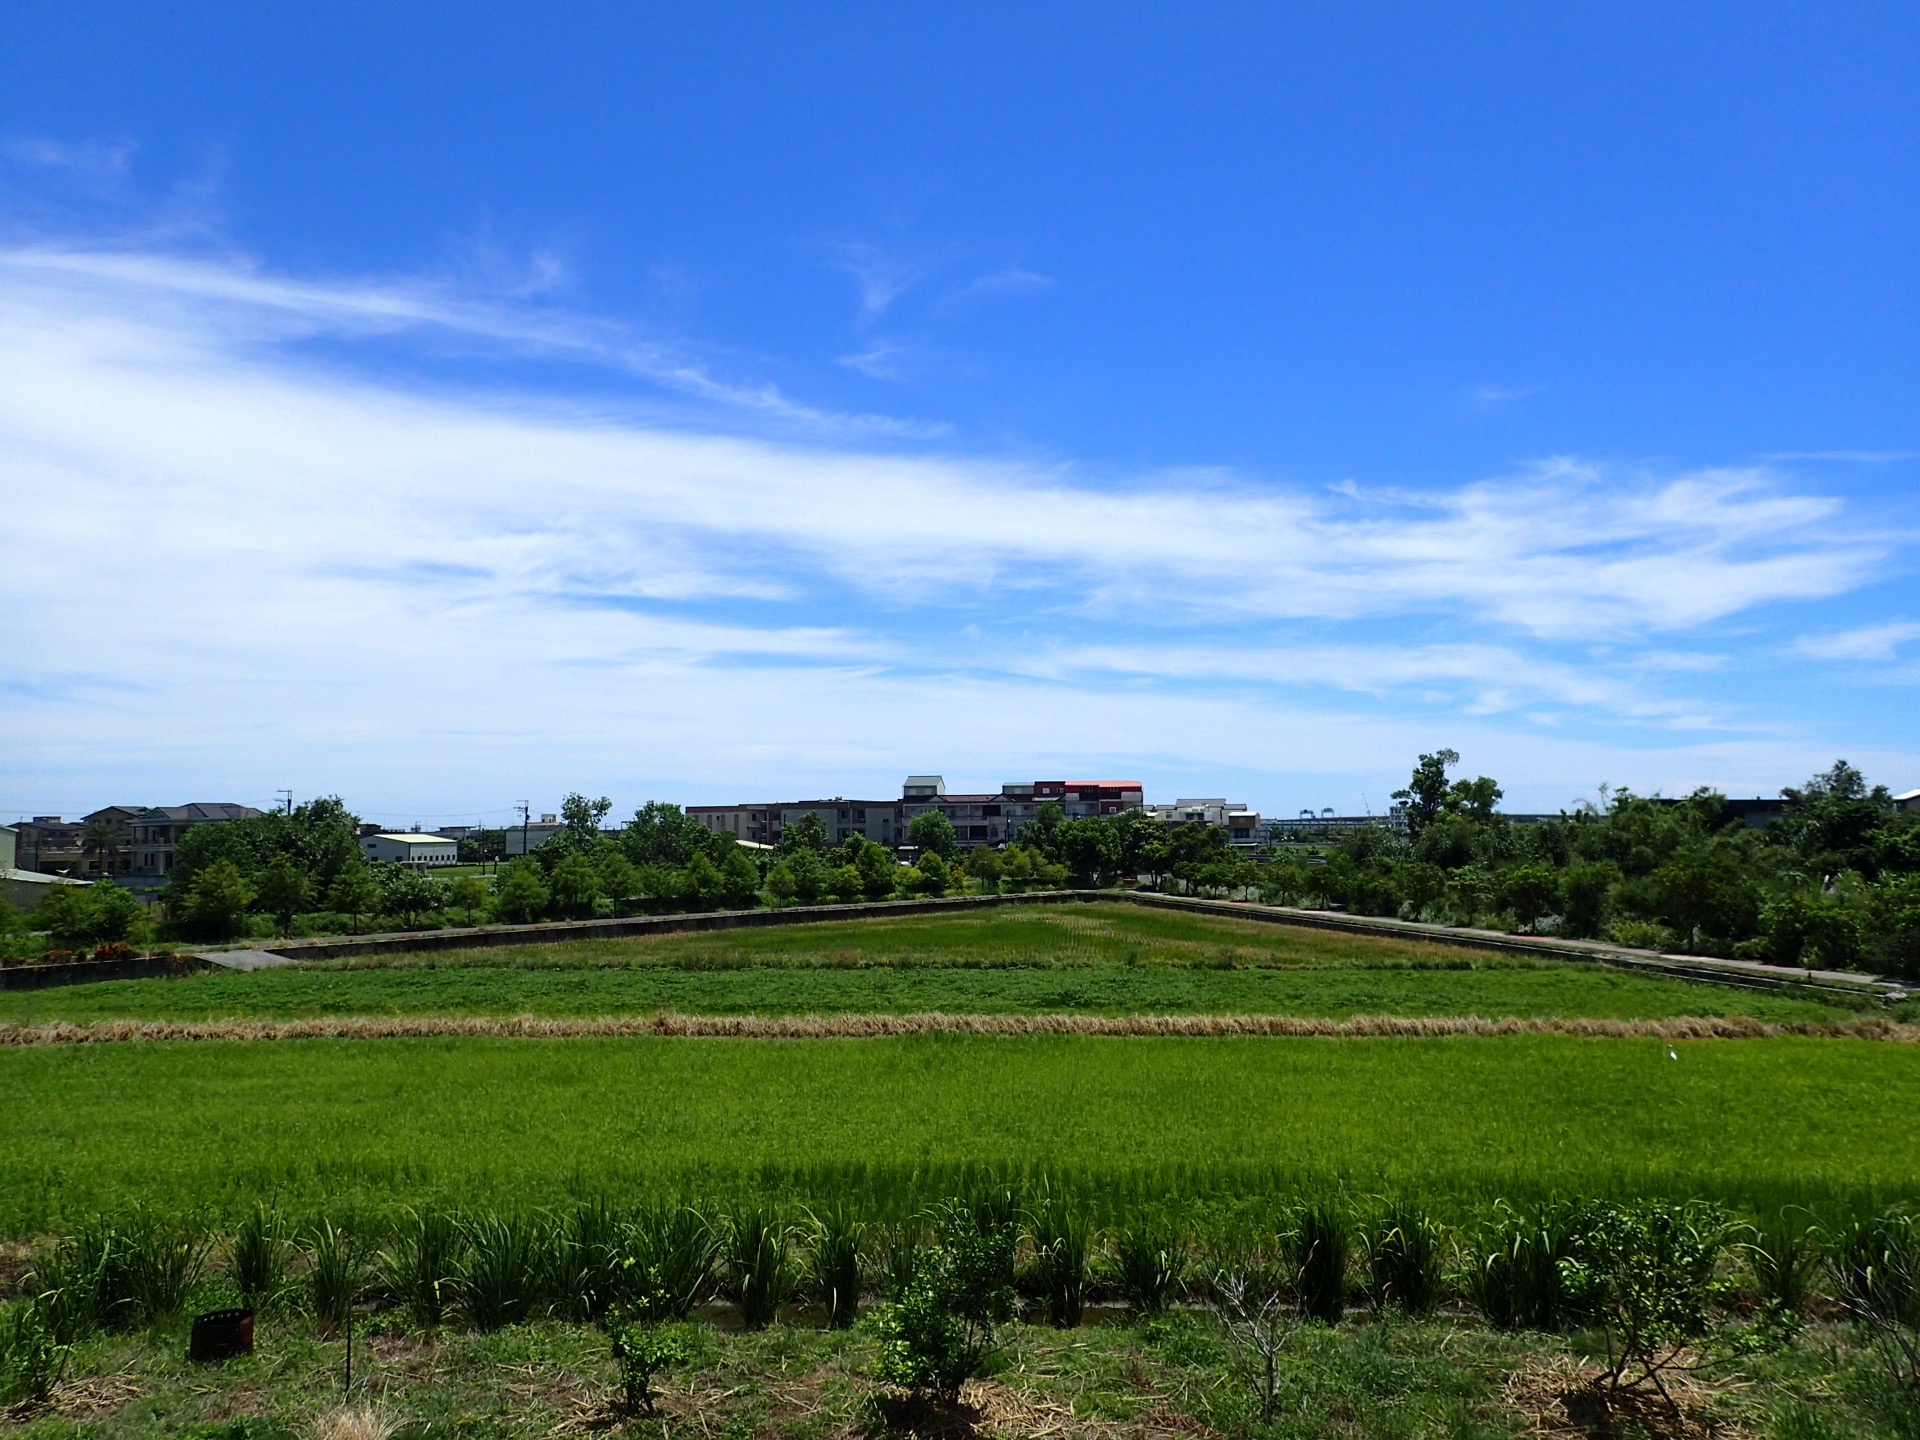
[(838, 1027)]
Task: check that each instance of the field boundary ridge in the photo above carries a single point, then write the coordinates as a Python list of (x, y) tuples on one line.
[(1708, 970), (872, 1027)]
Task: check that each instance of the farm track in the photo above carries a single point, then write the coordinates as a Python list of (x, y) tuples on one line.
[(844, 1027)]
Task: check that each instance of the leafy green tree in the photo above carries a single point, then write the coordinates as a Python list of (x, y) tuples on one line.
[(1090, 849), (1584, 888), (1530, 891), (217, 903), (468, 894), (574, 886), (1894, 926), (843, 883), (282, 891), (619, 877), (781, 883), (879, 872), (1426, 793), (581, 817), (407, 894), (809, 832), (705, 887), (662, 834), (1811, 929), (1042, 833), (933, 874), (809, 874), (354, 892), (739, 880), (940, 1332), (1474, 800), (1702, 890), (984, 866), (520, 892), (932, 833)]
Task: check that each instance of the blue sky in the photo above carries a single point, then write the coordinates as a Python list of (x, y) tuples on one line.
[(452, 405)]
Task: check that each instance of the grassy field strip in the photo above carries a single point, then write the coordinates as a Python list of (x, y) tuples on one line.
[(844, 1027), (474, 1120)]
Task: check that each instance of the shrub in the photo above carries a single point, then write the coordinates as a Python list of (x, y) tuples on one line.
[(838, 1239), (1322, 1242), (81, 1285), (501, 1273), (257, 1257), (1251, 1298), (642, 1348), (759, 1265), (421, 1267), (937, 1335), (1403, 1263), (1646, 1273), (1150, 1263)]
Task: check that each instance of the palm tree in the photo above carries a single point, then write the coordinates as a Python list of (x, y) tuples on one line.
[(102, 842)]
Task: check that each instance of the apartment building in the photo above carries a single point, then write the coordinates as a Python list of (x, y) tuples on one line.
[(93, 847), (990, 818), (157, 830)]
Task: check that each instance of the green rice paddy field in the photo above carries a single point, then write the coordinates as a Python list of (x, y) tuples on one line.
[(1108, 959), (1455, 1120)]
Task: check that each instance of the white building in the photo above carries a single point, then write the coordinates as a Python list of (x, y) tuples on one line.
[(1909, 801), (416, 850), (1240, 823)]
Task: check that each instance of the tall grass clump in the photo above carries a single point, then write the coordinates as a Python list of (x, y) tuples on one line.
[(1876, 1270), (161, 1261), (1785, 1259), (839, 1240), (257, 1255), (1322, 1244), (420, 1268), (81, 1284), (586, 1257), (1062, 1239), (759, 1264), (1403, 1262), (501, 1274), (667, 1259), (32, 1358), (1514, 1272), (336, 1271), (1150, 1263)]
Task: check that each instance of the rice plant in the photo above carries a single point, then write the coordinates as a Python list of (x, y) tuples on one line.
[(839, 1239), (421, 1266), (759, 1264), (1322, 1242), (1403, 1262), (32, 1357), (336, 1270), (257, 1254), (677, 1248), (1876, 1270), (1150, 1264), (1062, 1241), (501, 1274), (1514, 1273), (586, 1256)]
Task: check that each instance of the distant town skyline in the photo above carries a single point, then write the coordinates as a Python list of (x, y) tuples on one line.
[(469, 405)]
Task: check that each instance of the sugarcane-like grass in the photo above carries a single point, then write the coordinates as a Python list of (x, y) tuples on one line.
[(1186, 1123)]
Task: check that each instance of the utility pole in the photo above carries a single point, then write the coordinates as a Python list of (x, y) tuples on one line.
[(525, 816), (286, 797)]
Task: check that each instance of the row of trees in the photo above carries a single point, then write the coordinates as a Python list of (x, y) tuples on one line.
[(1835, 882)]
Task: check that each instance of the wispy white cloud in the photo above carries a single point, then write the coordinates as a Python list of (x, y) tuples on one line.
[(95, 161), (1868, 642), (1495, 397), (229, 558)]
